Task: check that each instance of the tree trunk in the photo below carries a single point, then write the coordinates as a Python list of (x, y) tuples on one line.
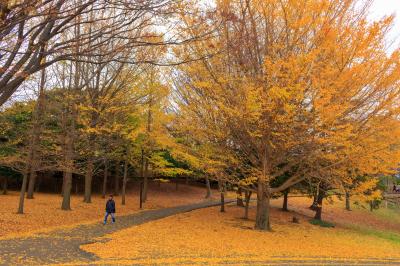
[(314, 205), (145, 180), (239, 198), (176, 183), (38, 182), (318, 210), (187, 180), (22, 192), (35, 138), (208, 187), (222, 193), (31, 185), (4, 185), (141, 195), (222, 202), (62, 185), (146, 164), (66, 203), (71, 114), (124, 182), (262, 216), (246, 207), (104, 191), (348, 206), (88, 181), (116, 180), (67, 176), (69, 131), (285, 200)]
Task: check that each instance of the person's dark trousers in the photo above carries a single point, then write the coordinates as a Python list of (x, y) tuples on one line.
[(112, 216)]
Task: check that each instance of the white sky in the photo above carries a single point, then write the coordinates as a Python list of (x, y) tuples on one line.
[(381, 8)]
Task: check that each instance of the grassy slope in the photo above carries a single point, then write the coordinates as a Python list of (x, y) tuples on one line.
[(382, 223), (385, 215)]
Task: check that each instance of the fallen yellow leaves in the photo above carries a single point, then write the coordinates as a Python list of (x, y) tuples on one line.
[(240, 261), (43, 213), (381, 219), (210, 236)]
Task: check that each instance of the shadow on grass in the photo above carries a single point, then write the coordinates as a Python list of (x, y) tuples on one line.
[(322, 223)]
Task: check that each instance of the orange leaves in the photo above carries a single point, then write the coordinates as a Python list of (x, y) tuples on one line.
[(303, 82), (366, 191), (211, 237), (44, 213)]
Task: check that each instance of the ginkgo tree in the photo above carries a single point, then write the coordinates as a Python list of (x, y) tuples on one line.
[(155, 139), (295, 84), (274, 93)]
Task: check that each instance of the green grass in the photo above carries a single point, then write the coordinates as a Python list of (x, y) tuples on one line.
[(386, 235), (321, 223), (391, 214), (388, 214)]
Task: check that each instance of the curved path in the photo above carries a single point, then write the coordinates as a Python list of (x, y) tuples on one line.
[(61, 246)]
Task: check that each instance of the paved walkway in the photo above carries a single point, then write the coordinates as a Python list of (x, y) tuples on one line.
[(62, 246)]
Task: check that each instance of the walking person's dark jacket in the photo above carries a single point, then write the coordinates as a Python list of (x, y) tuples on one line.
[(110, 206)]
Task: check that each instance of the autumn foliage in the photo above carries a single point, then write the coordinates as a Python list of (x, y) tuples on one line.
[(260, 97), (305, 89)]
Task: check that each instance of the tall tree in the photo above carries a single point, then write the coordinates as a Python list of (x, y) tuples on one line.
[(14, 149), (35, 135), (291, 83)]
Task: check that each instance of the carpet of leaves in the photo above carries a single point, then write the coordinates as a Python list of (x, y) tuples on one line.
[(334, 211), (43, 213), (208, 236)]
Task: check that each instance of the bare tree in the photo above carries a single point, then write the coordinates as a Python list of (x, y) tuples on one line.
[(32, 30)]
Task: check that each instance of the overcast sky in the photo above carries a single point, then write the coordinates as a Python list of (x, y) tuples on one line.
[(381, 8)]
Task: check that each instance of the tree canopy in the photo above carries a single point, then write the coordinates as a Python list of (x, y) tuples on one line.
[(262, 95)]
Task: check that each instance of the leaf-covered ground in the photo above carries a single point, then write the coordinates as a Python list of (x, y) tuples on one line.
[(61, 246), (208, 236), (360, 216), (44, 213)]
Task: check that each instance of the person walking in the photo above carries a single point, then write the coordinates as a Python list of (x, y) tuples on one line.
[(110, 209)]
